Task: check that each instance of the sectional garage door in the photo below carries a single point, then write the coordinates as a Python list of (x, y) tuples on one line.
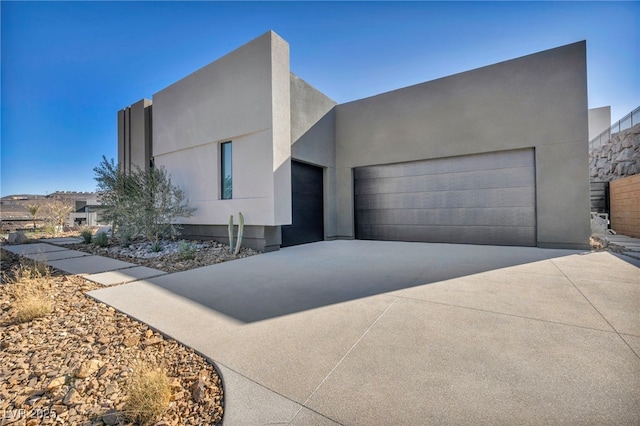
[(475, 199)]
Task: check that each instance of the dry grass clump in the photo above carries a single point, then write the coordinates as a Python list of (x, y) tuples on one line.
[(29, 287), (148, 394)]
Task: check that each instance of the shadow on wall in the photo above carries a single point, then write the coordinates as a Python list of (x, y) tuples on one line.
[(314, 275)]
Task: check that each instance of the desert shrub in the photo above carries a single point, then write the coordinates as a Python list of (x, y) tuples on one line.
[(49, 227), (186, 250), (38, 270), (101, 239), (86, 235), (30, 270), (148, 394), (29, 289), (59, 211), (30, 304), (125, 239), (140, 202), (156, 247)]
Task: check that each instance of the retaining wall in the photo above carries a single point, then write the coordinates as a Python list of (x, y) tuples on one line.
[(618, 158)]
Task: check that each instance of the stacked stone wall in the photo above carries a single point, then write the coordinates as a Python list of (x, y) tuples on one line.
[(618, 158)]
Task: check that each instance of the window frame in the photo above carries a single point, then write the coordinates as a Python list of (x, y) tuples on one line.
[(226, 192)]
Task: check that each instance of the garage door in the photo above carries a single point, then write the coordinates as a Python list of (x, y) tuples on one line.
[(307, 215), (475, 199)]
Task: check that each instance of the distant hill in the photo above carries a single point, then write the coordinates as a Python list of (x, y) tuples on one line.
[(14, 206), (53, 195), (22, 197)]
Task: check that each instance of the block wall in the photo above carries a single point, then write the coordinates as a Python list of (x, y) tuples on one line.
[(625, 206)]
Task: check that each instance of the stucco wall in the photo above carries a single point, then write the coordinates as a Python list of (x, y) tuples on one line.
[(313, 141), (242, 97), (599, 120), (537, 101), (134, 135), (625, 205)]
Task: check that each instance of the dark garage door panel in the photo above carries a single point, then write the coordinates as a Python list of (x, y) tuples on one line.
[(307, 206), (492, 197), (507, 217), (477, 199), (460, 235), (491, 161)]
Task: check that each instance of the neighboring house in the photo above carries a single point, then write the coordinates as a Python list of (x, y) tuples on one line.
[(86, 213), (599, 120), (497, 155)]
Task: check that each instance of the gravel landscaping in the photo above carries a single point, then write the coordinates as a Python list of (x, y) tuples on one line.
[(171, 258), (75, 364)]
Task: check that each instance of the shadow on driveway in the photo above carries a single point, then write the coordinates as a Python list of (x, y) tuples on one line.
[(313, 275)]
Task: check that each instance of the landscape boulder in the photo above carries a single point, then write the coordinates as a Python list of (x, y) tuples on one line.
[(104, 230), (17, 238)]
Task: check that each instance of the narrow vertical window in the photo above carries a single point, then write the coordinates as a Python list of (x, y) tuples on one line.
[(225, 171)]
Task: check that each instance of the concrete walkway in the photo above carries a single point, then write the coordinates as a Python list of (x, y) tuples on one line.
[(99, 269), (631, 245), (368, 332)]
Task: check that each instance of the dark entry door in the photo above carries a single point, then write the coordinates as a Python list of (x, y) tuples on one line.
[(307, 206)]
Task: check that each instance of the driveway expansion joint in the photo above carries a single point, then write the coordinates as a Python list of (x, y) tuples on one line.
[(350, 349), (216, 365), (612, 331), (597, 310)]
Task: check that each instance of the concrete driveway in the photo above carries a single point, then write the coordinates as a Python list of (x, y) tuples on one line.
[(369, 332)]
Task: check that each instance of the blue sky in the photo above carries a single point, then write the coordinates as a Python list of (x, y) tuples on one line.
[(68, 67)]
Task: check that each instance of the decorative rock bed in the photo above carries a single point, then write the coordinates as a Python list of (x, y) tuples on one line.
[(72, 365), (172, 258)]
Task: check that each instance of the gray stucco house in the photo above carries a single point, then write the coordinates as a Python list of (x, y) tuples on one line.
[(496, 155)]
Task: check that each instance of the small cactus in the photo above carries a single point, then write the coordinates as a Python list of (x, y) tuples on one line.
[(240, 232), (231, 233)]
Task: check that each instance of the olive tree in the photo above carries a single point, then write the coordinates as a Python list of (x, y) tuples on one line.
[(117, 195), (140, 202)]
